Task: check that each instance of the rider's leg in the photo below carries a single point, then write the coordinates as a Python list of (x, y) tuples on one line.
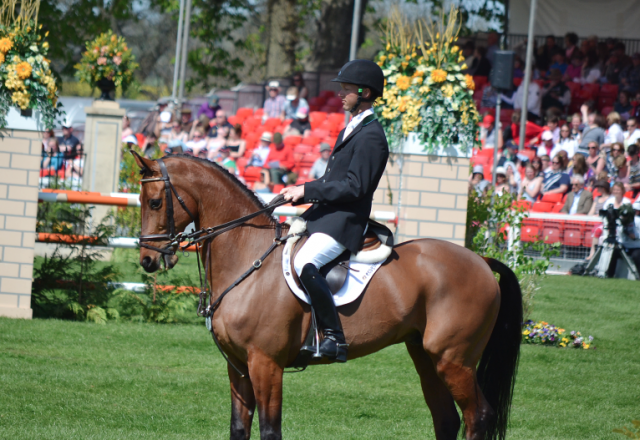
[(319, 250)]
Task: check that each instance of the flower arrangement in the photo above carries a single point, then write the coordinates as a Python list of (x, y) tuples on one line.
[(543, 333), (25, 73), (425, 90), (107, 58)]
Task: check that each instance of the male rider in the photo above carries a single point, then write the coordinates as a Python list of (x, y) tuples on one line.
[(342, 197)]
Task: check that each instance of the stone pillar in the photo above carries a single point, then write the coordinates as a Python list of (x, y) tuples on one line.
[(20, 150), (102, 145)]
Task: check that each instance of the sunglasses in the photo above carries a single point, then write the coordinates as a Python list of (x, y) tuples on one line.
[(555, 163), (544, 160), (593, 148), (617, 149)]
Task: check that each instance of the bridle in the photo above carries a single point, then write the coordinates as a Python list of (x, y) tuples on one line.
[(206, 234)]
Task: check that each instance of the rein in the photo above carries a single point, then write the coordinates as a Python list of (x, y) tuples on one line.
[(207, 234)]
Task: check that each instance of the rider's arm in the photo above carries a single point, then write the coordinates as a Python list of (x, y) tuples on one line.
[(367, 165)]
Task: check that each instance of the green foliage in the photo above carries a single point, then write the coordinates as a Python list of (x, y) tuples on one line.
[(634, 432), (70, 283)]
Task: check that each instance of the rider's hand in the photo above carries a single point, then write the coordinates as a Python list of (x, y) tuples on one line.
[(293, 193)]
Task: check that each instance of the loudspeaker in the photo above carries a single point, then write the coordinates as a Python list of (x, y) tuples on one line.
[(501, 76)]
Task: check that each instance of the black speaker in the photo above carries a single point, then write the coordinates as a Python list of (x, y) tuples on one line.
[(501, 76)]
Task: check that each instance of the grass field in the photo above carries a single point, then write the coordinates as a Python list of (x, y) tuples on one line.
[(71, 380)]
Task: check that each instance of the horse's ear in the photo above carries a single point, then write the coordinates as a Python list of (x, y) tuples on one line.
[(144, 164)]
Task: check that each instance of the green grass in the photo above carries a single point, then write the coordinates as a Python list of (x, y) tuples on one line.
[(68, 380)]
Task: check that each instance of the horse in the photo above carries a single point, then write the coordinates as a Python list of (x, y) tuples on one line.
[(461, 327)]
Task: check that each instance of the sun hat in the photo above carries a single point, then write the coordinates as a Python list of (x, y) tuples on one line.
[(501, 170), (488, 121), (547, 136), (292, 93), (324, 147), (478, 169), (274, 85), (266, 136), (131, 139)]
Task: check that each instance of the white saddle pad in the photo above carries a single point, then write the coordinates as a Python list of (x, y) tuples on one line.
[(358, 278)]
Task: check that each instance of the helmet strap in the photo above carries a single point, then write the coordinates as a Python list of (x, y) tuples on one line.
[(360, 100)]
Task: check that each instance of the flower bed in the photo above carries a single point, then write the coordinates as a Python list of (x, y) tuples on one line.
[(543, 333)]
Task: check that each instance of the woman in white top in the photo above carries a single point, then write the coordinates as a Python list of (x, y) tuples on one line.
[(617, 198), (530, 188), (614, 133), (590, 69), (566, 142)]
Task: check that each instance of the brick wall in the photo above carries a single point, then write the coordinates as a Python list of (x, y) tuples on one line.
[(433, 197), (19, 173)]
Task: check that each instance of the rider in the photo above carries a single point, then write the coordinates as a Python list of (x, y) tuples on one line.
[(342, 197)]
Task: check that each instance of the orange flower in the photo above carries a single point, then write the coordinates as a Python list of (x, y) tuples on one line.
[(5, 45), (23, 70), (404, 64), (418, 73), (403, 82), (438, 75), (1, 58), (468, 79)]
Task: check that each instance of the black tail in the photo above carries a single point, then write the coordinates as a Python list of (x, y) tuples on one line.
[(499, 362)]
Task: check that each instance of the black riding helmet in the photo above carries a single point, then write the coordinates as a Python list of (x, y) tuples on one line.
[(363, 73)]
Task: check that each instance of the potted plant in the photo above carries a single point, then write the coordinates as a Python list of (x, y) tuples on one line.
[(107, 63), (26, 81)]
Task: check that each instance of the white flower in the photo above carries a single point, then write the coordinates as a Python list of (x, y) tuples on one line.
[(456, 68), (34, 48), (451, 120), (39, 58), (422, 68), (456, 89), (454, 106), (460, 76), (439, 111), (450, 77), (31, 60), (386, 72), (393, 78)]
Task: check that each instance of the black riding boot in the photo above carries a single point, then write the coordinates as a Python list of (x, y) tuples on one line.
[(333, 346)]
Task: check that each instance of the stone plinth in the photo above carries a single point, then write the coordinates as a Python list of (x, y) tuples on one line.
[(102, 145), (20, 151)]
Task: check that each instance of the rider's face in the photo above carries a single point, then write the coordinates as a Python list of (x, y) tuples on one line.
[(349, 95)]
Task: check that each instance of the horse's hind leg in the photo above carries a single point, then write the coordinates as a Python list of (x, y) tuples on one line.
[(243, 404), (446, 421), (266, 377)]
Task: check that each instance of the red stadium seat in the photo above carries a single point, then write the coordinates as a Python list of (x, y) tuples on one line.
[(277, 188), (557, 207), (488, 152), (542, 207), (517, 82), (303, 148), (320, 133), (551, 235), (573, 86), (480, 81), (592, 89), (311, 140), (258, 113), (529, 233), (610, 90), (292, 141), (317, 118), (606, 111), (335, 101), (244, 112), (271, 124), (552, 198), (588, 236), (335, 118), (252, 174), (327, 93), (523, 205), (572, 237)]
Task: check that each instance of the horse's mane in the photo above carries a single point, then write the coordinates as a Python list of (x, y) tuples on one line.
[(227, 175)]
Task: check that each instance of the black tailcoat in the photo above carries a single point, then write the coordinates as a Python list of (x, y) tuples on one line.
[(343, 196)]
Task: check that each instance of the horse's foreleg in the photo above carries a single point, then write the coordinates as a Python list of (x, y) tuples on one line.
[(266, 377), (446, 421), (243, 404)]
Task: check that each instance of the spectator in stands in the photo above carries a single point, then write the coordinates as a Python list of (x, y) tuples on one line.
[(274, 104), (579, 201), (560, 63), (487, 131), (298, 82), (536, 164), (52, 157), (617, 198), (177, 134), (623, 105), (150, 148), (592, 132), (300, 125), (197, 143), (546, 164), (590, 69), (576, 127), (566, 143), (531, 185), (502, 183), (279, 161), (234, 143), (518, 67), (545, 54), (68, 143), (602, 186), (570, 41), (221, 127), (533, 101), (634, 170), (556, 181), (477, 182), (612, 69), (617, 150), (293, 104), (513, 177), (260, 153), (632, 134), (555, 94), (574, 69), (46, 135), (211, 107), (492, 46), (594, 160), (225, 161), (546, 146), (580, 168), (614, 133), (622, 175), (481, 65), (320, 165), (553, 126), (202, 124), (263, 185), (162, 127), (630, 75), (126, 127), (185, 118)]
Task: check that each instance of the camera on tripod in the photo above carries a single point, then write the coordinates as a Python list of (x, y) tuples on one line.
[(611, 215)]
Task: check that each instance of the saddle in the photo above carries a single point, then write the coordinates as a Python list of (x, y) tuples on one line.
[(376, 246)]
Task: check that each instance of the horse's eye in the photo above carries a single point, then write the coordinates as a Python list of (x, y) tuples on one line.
[(155, 203)]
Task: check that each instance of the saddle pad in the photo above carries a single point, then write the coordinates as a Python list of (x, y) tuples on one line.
[(359, 276)]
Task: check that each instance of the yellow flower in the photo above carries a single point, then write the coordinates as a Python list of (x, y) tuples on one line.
[(526, 332), (45, 45), (468, 80), (424, 90), (391, 56), (1, 58), (418, 73), (562, 344), (413, 55), (447, 91), (454, 49), (438, 75), (586, 346), (464, 66), (388, 46), (23, 70), (407, 58), (380, 63), (565, 339), (383, 58), (5, 45), (404, 64), (21, 99), (403, 82)]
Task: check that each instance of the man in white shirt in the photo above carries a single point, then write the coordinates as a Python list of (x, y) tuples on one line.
[(632, 134), (260, 153), (533, 101)]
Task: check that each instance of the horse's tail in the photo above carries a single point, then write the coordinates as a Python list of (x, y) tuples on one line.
[(499, 362)]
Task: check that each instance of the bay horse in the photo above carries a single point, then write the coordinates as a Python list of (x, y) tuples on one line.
[(461, 327)]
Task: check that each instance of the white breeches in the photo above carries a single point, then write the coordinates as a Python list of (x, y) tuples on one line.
[(318, 250)]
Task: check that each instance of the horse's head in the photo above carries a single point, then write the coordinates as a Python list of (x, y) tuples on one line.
[(162, 213)]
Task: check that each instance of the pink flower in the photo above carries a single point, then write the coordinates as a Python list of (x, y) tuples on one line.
[(117, 60), (104, 49), (102, 61)]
